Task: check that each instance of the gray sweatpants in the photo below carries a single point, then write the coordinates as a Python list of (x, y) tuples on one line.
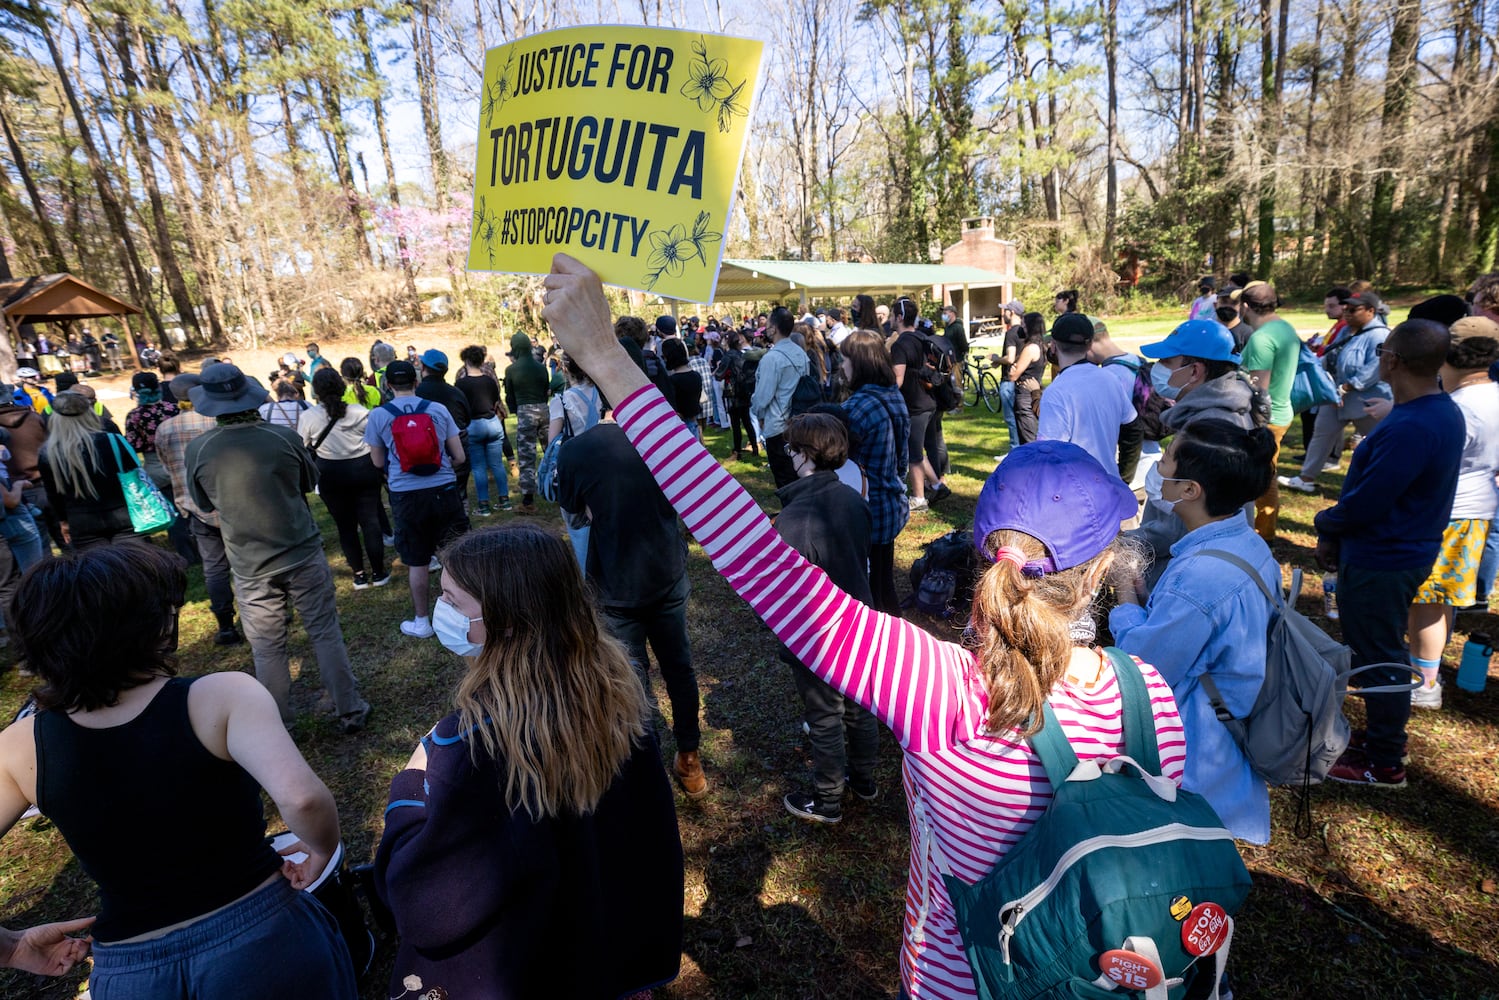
[(262, 614)]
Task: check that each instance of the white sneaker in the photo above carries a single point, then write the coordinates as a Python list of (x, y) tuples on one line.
[(918, 504), (1331, 465), (419, 628), (1427, 696), (387, 540), (1296, 483), (434, 565)]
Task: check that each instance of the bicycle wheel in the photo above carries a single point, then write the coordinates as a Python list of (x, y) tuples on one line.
[(970, 385), (989, 389)]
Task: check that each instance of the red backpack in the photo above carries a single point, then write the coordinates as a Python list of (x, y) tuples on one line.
[(414, 435)]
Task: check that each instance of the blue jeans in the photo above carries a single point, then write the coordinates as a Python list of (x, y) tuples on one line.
[(1007, 400), (25, 539), (664, 624), (486, 455), (1488, 568), (275, 942)]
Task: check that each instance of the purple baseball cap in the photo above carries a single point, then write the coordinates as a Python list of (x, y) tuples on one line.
[(1058, 494)]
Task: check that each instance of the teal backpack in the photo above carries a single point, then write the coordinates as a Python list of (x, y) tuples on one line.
[(1120, 887)]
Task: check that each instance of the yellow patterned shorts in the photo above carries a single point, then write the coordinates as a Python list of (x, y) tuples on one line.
[(1454, 578)]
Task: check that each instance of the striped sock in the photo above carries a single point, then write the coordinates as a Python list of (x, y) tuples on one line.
[(1428, 669)]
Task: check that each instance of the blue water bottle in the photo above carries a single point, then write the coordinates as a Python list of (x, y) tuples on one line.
[(1473, 672)]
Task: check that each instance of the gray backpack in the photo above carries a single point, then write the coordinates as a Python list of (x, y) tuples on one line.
[(1296, 730)]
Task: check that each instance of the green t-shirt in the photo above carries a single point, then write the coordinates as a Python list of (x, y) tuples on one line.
[(1275, 347)]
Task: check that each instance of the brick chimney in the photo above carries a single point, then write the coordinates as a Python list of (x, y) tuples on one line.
[(977, 247)]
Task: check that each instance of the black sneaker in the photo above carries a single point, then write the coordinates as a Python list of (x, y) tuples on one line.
[(484, 510), (866, 790), (504, 504), (382, 580), (361, 581), (804, 806), (227, 637), (938, 493), (354, 721)]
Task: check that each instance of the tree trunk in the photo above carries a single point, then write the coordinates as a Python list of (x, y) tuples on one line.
[(377, 82), (160, 230), (59, 260), (1399, 92), (137, 280), (1111, 126), (1272, 70), (337, 134)]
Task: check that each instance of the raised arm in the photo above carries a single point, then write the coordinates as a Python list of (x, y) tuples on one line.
[(910, 680)]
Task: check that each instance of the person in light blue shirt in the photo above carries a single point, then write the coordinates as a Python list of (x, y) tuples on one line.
[(775, 383), (1204, 617)]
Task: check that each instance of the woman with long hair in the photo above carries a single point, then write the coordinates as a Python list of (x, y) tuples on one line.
[(486, 429), (358, 390), (881, 426), (534, 824), (348, 482), (1026, 374), (963, 713), (80, 467), (121, 751), (863, 315)]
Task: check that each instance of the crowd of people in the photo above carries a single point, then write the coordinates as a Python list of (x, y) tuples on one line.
[(1137, 491)]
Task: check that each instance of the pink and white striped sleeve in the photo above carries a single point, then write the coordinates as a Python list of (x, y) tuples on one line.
[(914, 683)]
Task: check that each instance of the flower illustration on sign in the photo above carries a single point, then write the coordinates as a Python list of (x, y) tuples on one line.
[(708, 84), (486, 228), (496, 93), (673, 248), (707, 79)]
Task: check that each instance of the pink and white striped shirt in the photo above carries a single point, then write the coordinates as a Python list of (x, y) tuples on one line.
[(975, 794)]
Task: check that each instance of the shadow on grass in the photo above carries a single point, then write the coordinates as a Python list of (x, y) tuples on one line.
[(1347, 942), (780, 949)]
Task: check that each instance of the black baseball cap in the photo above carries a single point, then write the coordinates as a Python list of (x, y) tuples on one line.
[(400, 373), (1072, 328)]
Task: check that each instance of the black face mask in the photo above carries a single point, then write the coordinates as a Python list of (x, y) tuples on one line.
[(855, 314)]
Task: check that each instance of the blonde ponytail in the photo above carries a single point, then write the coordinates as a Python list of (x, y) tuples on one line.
[(1021, 623)]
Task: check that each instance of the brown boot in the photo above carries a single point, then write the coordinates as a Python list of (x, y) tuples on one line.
[(689, 771)]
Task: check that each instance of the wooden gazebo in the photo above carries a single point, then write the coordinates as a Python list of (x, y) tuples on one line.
[(53, 298)]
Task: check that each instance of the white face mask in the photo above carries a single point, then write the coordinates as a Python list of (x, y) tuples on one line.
[(452, 626), (1153, 483)]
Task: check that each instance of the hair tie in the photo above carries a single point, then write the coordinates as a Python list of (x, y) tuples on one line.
[(1006, 553)]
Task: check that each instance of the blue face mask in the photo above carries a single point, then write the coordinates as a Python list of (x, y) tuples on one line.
[(1160, 380), (1153, 483), (452, 627)]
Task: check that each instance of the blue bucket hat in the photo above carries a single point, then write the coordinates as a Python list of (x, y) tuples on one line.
[(1196, 338)]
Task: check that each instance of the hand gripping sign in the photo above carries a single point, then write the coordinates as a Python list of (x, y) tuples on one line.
[(620, 146)]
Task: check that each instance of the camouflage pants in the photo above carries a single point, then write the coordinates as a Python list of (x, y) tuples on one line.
[(530, 430)]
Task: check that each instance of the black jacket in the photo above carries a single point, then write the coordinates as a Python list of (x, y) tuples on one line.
[(829, 524)]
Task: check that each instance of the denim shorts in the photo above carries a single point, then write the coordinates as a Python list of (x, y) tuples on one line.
[(277, 942)]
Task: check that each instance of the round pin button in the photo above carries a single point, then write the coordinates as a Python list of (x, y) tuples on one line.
[(1204, 929), (1130, 969)]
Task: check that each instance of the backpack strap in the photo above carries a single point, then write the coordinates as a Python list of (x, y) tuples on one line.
[(422, 406), (1208, 685), (1139, 720), (1054, 749)]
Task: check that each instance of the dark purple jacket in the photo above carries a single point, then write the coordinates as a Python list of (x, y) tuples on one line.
[(491, 905)]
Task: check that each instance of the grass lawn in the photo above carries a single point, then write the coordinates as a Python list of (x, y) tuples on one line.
[(1393, 895)]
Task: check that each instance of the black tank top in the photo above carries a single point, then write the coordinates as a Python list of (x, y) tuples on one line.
[(167, 830)]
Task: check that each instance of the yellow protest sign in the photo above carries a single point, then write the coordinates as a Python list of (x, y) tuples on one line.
[(620, 146)]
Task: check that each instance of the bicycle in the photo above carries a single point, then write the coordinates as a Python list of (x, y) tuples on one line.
[(980, 383)]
